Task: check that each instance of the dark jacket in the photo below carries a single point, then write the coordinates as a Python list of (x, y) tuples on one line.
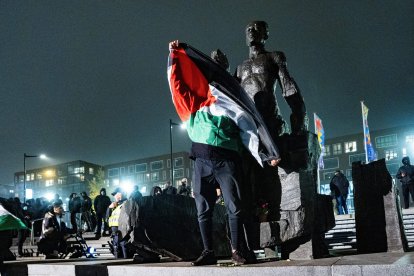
[(86, 204), (101, 202), (339, 185), (409, 174), (75, 205), (184, 190), (170, 190), (53, 234)]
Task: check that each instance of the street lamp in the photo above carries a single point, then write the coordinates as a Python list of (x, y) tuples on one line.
[(171, 151), (42, 156)]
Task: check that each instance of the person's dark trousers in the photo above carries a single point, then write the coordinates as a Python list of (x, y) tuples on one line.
[(101, 218), (407, 189), (209, 175), (118, 243), (341, 205), (73, 221), (21, 237), (86, 217)]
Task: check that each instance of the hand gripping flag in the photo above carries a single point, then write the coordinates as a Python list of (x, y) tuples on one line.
[(321, 139), (369, 148), (206, 96)]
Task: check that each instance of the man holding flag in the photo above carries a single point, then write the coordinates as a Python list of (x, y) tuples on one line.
[(221, 127)]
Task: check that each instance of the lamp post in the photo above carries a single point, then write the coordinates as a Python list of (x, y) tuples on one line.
[(42, 156), (171, 151)]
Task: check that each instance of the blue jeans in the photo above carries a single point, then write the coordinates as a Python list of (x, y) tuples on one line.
[(341, 205)]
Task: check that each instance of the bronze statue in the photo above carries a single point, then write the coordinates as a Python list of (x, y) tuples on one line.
[(258, 76)]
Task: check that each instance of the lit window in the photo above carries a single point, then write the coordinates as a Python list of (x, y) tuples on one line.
[(122, 170), (326, 150), (157, 165), (357, 158), (32, 176), (336, 149), (350, 146), (178, 162), (141, 168), (113, 172), (409, 139), (79, 170), (179, 173), (386, 141), (331, 163), (391, 154), (49, 182), (91, 171), (147, 177), (39, 176), (155, 176)]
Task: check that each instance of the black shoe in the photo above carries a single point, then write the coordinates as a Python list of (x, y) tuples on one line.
[(237, 258), (250, 257), (207, 257)]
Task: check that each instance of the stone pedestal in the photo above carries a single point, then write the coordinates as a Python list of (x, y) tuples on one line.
[(304, 216), (378, 219)]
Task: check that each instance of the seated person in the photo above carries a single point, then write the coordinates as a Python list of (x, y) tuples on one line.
[(54, 232)]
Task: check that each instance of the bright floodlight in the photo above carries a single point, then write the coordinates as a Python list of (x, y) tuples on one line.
[(49, 196), (183, 126), (143, 190), (127, 186), (43, 156), (29, 193)]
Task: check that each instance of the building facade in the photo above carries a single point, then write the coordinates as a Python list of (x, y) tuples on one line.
[(62, 179), (150, 172), (392, 144)]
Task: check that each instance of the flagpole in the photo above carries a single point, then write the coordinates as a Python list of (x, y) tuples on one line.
[(363, 131), (318, 174)]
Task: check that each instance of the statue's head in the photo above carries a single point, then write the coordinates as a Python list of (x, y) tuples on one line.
[(220, 58), (256, 33)]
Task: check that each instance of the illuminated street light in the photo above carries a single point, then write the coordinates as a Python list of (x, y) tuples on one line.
[(42, 156)]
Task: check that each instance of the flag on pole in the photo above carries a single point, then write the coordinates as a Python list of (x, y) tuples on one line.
[(8, 221), (370, 154), (321, 139)]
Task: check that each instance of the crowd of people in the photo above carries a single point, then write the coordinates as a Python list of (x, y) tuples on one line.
[(46, 217)]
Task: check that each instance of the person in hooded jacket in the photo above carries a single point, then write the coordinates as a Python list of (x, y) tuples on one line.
[(74, 208), (406, 175), (86, 208), (101, 203), (339, 187)]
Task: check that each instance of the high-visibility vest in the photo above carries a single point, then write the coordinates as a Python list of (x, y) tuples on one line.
[(114, 218)]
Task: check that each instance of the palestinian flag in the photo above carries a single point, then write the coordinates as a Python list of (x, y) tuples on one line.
[(8, 221), (214, 107)]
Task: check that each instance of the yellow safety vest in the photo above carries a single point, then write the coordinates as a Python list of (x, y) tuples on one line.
[(114, 218)]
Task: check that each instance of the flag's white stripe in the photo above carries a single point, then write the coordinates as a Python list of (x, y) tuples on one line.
[(224, 106)]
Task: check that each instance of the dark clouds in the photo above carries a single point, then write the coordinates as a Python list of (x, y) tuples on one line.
[(87, 79)]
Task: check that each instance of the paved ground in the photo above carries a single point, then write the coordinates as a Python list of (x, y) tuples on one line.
[(369, 264)]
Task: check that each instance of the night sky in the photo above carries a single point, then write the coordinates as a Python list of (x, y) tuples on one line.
[(87, 79)]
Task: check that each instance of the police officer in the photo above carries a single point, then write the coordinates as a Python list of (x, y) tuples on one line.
[(115, 211)]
